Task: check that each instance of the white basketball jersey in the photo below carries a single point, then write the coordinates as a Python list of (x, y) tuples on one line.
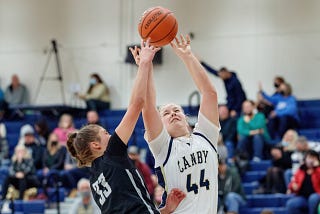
[(190, 164)]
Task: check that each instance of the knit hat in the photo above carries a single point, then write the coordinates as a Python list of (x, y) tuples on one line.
[(26, 129)]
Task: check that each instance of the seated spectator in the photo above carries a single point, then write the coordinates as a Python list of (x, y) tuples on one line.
[(264, 106), (93, 117), (21, 172), (230, 190), (285, 114), (222, 149), (235, 93), (65, 126), (4, 148), (71, 174), (84, 203), (133, 153), (301, 145), (228, 129), (28, 139), (42, 131), (305, 186), (53, 161), (274, 180), (3, 105), (97, 96), (252, 131), (289, 139), (16, 93)]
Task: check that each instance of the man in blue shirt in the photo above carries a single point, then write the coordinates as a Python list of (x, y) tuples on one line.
[(235, 92)]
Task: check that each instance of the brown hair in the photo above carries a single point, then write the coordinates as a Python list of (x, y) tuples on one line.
[(78, 144)]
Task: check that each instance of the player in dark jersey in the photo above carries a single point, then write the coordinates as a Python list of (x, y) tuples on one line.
[(116, 185)]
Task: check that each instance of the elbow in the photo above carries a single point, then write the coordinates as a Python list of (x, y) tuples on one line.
[(138, 103)]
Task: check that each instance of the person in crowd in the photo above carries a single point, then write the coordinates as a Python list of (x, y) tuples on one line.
[(114, 180), (297, 156), (97, 96), (285, 113), (288, 141), (222, 149), (28, 139), (231, 192), (53, 161), (174, 146), (264, 105), (93, 117), (274, 180), (4, 147), (133, 152), (235, 93), (16, 93), (65, 127), (21, 172), (84, 203), (252, 131), (42, 131), (228, 129), (305, 186), (3, 104)]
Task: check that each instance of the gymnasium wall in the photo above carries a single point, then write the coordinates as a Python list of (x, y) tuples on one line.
[(258, 39)]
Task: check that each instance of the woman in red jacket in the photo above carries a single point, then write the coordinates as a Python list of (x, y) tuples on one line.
[(305, 184)]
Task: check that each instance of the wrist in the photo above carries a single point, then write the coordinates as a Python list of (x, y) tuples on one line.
[(165, 210)]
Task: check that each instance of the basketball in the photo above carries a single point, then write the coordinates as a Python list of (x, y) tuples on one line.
[(159, 24)]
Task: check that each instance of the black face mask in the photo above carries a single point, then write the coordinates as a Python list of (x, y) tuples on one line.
[(54, 143), (276, 85), (249, 114), (282, 93)]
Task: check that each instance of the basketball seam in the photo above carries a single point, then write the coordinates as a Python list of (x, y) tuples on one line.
[(157, 24), (175, 23), (143, 19)]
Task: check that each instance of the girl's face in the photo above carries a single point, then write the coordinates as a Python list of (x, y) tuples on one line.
[(173, 117), (104, 136)]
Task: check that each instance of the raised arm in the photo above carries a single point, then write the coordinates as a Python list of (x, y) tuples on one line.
[(150, 114), (209, 102), (138, 94)]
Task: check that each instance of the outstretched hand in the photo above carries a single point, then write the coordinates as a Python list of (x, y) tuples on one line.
[(181, 46), (146, 52), (173, 200)]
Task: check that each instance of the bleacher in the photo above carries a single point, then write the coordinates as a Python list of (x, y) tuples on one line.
[(309, 111)]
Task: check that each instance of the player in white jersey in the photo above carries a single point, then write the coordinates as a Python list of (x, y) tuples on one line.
[(184, 159)]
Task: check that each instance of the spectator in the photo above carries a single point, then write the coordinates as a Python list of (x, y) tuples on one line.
[(265, 106), (4, 148), (297, 156), (228, 129), (28, 139), (252, 130), (285, 114), (98, 95), (143, 168), (222, 149), (65, 126), (16, 93), (21, 172), (3, 104), (53, 161), (289, 139), (84, 203), (93, 117), (42, 131), (235, 93), (231, 193), (305, 186), (274, 180)]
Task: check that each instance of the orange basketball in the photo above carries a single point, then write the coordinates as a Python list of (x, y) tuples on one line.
[(159, 24)]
